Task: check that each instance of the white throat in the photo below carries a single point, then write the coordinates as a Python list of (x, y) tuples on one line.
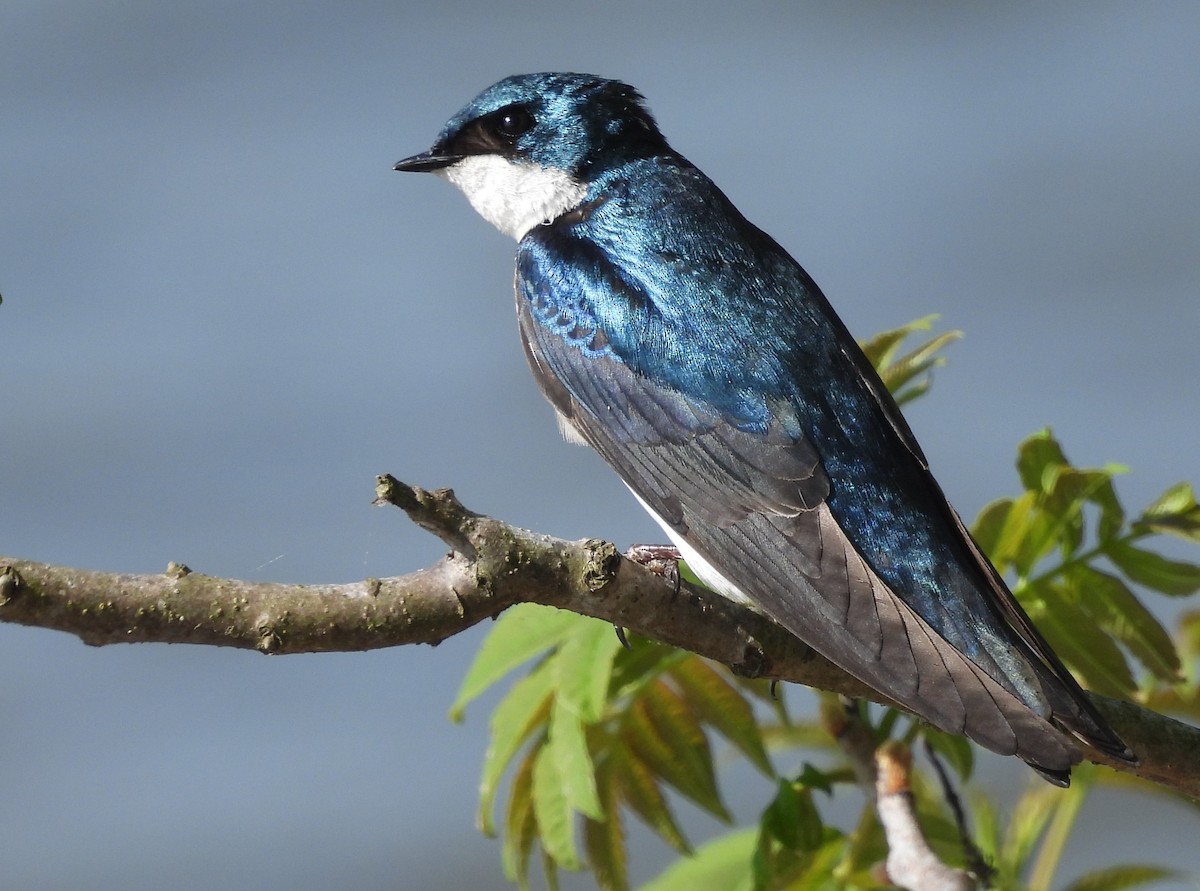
[(514, 196)]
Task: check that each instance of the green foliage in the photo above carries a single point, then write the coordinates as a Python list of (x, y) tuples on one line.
[(1074, 553), (908, 376), (595, 732)]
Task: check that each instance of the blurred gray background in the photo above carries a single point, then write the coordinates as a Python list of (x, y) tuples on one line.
[(224, 314)]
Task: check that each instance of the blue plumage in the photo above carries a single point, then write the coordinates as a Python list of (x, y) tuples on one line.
[(702, 362)]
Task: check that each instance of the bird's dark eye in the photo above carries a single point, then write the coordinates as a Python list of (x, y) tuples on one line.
[(509, 123)]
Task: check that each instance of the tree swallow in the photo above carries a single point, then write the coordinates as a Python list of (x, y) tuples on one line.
[(703, 363)]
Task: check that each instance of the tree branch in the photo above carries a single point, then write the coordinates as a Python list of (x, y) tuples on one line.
[(492, 566)]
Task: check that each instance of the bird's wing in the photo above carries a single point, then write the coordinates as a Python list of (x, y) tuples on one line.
[(754, 505)]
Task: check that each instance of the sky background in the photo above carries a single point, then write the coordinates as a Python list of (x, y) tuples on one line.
[(224, 314)]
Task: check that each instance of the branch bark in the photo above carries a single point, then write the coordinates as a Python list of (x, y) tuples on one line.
[(492, 566)]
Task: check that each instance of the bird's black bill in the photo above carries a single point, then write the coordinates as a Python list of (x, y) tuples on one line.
[(426, 161)]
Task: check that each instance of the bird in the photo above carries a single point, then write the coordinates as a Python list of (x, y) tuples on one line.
[(702, 362)]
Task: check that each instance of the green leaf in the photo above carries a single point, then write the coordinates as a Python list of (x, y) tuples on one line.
[(723, 863), (1119, 878), (583, 666), (1062, 490), (573, 762), (1175, 512), (1069, 802), (718, 703), (888, 722), (604, 840), (864, 846), (1109, 601), (880, 349), (663, 733), (1006, 531), (556, 828), (640, 665), (550, 871), (522, 632), (1104, 495), (986, 825), (1081, 643), (1038, 457), (1153, 570), (815, 778), (641, 792), (988, 529), (778, 866), (797, 735), (904, 377), (522, 711), (1044, 533), (792, 819), (520, 826), (767, 692), (1177, 500), (1188, 627), (1067, 493), (898, 374), (1030, 816)]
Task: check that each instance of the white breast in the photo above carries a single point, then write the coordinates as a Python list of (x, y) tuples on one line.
[(514, 196)]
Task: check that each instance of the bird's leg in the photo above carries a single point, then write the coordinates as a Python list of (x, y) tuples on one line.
[(659, 559)]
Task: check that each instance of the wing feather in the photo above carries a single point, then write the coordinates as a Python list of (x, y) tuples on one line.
[(851, 546), (754, 505)]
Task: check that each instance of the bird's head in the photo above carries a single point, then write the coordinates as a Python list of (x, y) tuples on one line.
[(526, 149)]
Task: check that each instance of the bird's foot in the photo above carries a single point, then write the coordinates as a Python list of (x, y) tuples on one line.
[(660, 559)]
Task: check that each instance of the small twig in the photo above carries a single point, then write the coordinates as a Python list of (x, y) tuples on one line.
[(842, 719), (911, 863), (882, 771)]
